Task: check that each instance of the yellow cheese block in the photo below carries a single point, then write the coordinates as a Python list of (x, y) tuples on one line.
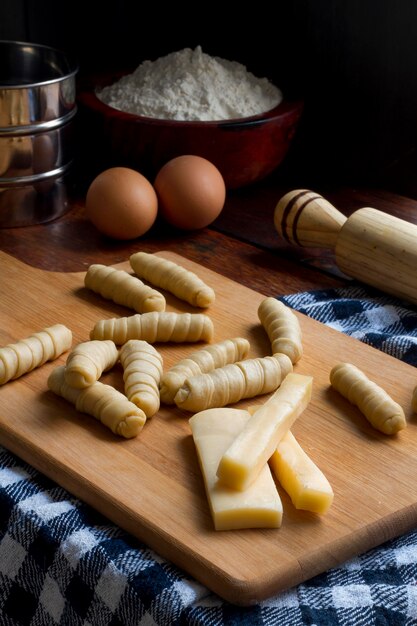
[(257, 507), (304, 482), (249, 452)]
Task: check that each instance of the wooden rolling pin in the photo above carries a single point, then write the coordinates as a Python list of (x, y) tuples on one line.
[(371, 246)]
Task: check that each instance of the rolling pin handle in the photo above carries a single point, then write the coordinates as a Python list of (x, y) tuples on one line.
[(305, 218)]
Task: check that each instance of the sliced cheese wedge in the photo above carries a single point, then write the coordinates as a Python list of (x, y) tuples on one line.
[(257, 507), (249, 452), (304, 482), (297, 473)]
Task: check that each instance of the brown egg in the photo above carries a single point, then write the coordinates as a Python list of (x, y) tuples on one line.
[(121, 203), (191, 192)]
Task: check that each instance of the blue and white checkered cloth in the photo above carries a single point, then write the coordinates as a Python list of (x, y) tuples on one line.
[(61, 563)]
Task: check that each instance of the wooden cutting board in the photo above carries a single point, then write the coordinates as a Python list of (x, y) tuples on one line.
[(152, 486)]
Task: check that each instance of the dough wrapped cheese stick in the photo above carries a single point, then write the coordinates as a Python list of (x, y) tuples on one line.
[(282, 328), (142, 370), (122, 288), (26, 354), (88, 360), (156, 327), (229, 384), (101, 401), (173, 278), (201, 362), (377, 406)]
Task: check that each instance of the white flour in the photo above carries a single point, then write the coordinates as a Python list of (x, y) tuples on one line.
[(191, 85)]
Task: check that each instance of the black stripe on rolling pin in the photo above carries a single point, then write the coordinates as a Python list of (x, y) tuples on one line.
[(298, 214), (287, 211)]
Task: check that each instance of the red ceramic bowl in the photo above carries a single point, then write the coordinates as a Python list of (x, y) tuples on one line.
[(244, 150)]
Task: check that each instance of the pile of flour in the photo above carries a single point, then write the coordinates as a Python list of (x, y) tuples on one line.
[(191, 85)]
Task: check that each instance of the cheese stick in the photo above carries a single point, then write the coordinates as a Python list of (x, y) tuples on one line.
[(257, 507), (304, 482), (297, 473), (253, 447)]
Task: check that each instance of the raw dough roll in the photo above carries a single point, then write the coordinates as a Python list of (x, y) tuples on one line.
[(101, 401), (142, 366), (378, 407), (173, 278), (124, 289), (24, 355), (229, 384), (201, 362), (88, 360), (154, 327), (282, 328)]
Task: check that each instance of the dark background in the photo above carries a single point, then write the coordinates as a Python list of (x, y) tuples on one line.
[(353, 62)]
